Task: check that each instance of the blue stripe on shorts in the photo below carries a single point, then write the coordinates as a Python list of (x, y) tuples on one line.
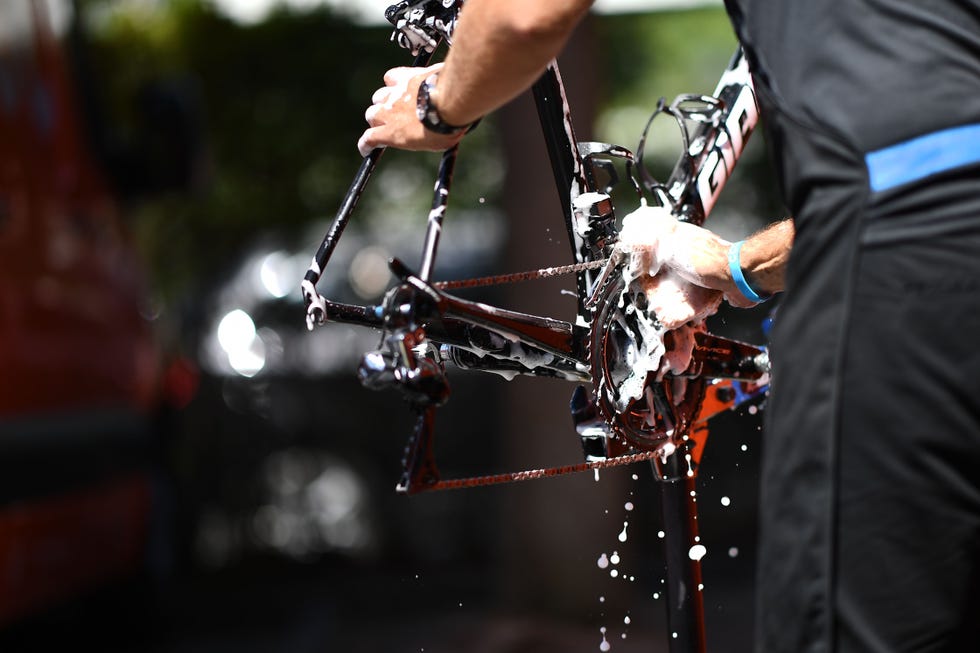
[(922, 156)]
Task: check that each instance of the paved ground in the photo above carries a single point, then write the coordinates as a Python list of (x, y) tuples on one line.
[(273, 606)]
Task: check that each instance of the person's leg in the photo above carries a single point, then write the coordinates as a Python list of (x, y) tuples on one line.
[(906, 570)]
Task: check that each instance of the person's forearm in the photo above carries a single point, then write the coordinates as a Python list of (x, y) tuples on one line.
[(764, 256), (500, 48), (702, 257)]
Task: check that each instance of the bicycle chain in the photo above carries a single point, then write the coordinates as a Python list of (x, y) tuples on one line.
[(516, 277), (546, 472)]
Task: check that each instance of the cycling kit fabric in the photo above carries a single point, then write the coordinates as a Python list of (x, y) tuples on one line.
[(870, 516)]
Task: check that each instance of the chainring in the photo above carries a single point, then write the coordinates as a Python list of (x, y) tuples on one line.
[(626, 349)]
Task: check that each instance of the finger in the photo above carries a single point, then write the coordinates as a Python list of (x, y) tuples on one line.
[(368, 141), (738, 301), (371, 115), (394, 75), (401, 74), (381, 95)]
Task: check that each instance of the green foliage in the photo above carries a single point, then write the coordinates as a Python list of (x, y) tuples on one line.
[(664, 53), (648, 56), (279, 101)]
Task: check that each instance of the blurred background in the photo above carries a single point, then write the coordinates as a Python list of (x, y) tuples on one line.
[(183, 467)]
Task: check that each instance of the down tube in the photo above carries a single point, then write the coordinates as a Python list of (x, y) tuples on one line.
[(571, 176)]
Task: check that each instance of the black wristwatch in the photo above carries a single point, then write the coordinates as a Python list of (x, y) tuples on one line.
[(429, 114)]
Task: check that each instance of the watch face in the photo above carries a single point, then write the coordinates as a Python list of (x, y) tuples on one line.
[(429, 115)]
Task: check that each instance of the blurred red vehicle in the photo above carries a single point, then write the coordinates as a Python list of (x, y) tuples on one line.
[(80, 370)]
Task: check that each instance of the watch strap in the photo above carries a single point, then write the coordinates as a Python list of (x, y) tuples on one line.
[(428, 113)]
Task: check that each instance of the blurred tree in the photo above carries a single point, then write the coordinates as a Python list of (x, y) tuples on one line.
[(281, 103)]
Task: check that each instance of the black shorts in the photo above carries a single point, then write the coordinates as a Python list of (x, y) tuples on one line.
[(870, 509), (870, 515)]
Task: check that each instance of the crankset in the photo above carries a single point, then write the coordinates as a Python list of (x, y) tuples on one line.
[(653, 386), (641, 400)]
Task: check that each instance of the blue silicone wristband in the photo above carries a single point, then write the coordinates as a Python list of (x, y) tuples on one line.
[(735, 266)]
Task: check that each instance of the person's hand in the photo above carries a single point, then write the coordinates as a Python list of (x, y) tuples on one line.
[(649, 237), (659, 243), (393, 118)]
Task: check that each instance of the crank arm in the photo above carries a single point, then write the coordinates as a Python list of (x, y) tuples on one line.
[(716, 357)]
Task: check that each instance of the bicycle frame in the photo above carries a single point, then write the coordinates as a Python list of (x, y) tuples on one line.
[(476, 336), (416, 315)]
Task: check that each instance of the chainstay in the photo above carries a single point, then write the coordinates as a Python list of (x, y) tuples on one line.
[(547, 472), (517, 277)]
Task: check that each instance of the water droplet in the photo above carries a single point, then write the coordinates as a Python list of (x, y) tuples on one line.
[(602, 599), (482, 200), (636, 477), (697, 552), (596, 474), (700, 587), (725, 501), (603, 561), (674, 635), (628, 506), (661, 534), (614, 558), (626, 620), (614, 572), (622, 534), (697, 538), (745, 447), (694, 493), (604, 645), (656, 595), (733, 552), (753, 410)]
